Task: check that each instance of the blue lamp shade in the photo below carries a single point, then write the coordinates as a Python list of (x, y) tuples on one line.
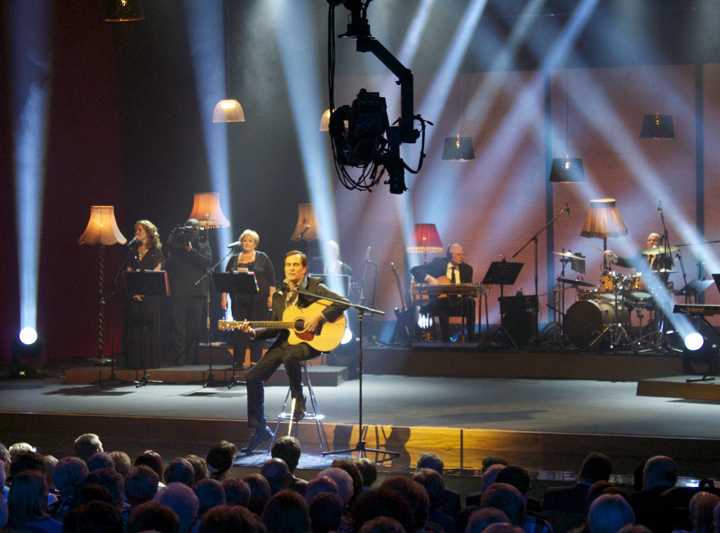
[(567, 170), (657, 127), (458, 149)]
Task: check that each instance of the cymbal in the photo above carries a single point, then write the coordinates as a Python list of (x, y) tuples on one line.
[(659, 250), (576, 282), (570, 256), (666, 271)]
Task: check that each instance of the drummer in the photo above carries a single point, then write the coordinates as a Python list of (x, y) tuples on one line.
[(656, 262)]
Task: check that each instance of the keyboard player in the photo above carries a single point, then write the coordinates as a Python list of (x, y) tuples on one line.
[(446, 270)]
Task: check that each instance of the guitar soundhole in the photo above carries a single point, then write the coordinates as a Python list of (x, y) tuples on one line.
[(299, 325)]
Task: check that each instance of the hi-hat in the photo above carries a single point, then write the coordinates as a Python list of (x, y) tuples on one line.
[(570, 256), (659, 250)]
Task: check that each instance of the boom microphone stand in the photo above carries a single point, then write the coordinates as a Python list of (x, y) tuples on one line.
[(360, 446)]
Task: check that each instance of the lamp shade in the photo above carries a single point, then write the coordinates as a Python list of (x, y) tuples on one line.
[(603, 220), (123, 10), (308, 227), (102, 227), (207, 211), (657, 127), (458, 149), (325, 121), (228, 111), (425, 240), (567, 170)]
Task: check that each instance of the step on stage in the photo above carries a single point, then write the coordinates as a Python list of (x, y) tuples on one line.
[(543, 411)]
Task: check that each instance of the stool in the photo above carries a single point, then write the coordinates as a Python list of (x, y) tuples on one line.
[(313, 413)]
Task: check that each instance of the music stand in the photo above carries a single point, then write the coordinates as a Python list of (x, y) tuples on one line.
[(503, 273), (146, 283), (235, 283)]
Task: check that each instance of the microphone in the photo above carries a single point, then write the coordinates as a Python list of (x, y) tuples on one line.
[(660, 206), (302, 233), (234, 244), (567, 208), (133, 242)]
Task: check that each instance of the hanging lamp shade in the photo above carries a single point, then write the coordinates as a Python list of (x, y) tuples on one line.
[(567, 170), (308, 226), (657, 127), (123, 10), (604, 220), (228, 111), (102, 227), (207, 211), (325, 121), (458, 149)]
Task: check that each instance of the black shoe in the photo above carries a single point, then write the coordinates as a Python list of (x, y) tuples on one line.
[(260, 436), (299, 412)]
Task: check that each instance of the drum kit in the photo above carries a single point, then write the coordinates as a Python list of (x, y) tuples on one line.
[(601, 313)]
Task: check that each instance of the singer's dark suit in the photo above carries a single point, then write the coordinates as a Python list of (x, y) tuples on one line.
[(282, 352), (444, 308)]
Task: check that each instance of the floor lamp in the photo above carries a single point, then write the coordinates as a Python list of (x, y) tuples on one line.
[(425, 239), (604, 221), (102, 229)]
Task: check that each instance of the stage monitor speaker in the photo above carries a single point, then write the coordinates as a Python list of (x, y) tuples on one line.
[(519, 317)]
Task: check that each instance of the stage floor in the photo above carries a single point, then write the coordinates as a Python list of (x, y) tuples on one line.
[(547, 426)]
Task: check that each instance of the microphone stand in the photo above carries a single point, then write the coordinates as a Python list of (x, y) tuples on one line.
[(360, 446), (535, 239), (211, 381)]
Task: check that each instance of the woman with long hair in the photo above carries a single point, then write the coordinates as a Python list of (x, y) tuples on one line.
[(142, 327), (27, 503)]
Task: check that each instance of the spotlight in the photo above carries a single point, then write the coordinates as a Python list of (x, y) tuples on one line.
[(701, 355), (27, 355)]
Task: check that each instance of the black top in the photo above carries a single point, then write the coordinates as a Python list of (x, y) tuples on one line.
[(263, 269), (149, 261), (185, 268)]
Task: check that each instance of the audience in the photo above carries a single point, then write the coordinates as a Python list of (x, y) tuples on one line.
[(237, 492), (181, 471), (288, 449), (99, 492), (286, 512), (259, 493), (220, 459), (182, 500), (87, 445), (595, 467), (27, 502), (325, 512), (609, 513)]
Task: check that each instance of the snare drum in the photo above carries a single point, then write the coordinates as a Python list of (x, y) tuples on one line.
[(585, 320)]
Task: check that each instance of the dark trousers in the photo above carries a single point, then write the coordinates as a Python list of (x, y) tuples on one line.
[(248, 308), (187, 314), (291, 355), (444, 308)]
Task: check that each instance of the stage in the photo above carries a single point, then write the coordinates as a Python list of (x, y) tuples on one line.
[(544, 421)]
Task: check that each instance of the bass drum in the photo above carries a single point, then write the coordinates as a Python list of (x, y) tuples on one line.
[(585, 320)]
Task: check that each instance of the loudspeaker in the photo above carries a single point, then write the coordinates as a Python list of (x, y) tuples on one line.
[(519, 317)]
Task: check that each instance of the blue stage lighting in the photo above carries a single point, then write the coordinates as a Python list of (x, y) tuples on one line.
[(28, 335), (694, 341), (27, 355)]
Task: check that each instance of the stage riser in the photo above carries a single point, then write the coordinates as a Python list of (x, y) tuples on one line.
[(677, 387), (478, 364), (461, 449), (320, 376)]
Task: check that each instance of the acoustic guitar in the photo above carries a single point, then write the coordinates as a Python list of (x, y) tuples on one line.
[(327, 337)]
